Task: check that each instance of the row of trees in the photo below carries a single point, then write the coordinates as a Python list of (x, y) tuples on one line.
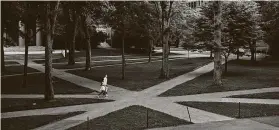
[(56, 18)]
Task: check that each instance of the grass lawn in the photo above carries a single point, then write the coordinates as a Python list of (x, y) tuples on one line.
[(36, 85), (31, 122), (268, 95), (97, 63), (31, 56), (241, 75), (83, 59), (11, 63), (247, 110), (17, 104), (131, 118), (141, 76), (10, 70)]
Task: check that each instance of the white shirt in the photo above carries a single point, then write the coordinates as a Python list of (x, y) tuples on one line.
[(105, 81)]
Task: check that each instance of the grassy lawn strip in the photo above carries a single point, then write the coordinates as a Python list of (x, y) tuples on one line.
[(94, 59), (13, 104), (10, 70), (241, 75), (131, 118), (36, 85), (94, 64), (31, 122), (11, 63), (31, 56), (141, 76), (247, 110), (268, 95)]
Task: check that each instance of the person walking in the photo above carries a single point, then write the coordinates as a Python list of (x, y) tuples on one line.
[(104, 87)]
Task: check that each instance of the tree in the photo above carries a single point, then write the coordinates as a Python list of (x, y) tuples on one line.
[(9, 21), (270, 24), (71, 10), (27, 16), (164, 8), (120, 18), (217, 73), (91, 14), (51, 15)]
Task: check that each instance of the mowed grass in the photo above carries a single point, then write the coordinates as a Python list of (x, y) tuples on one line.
[(31, 122), (100, 63), (17, 104), (141, 76), (131, 118), (36, 85), (268, 95), (17, 69), (241, 75), (11, 63), (247, 110)]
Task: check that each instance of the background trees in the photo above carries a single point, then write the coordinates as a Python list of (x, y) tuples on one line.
[(270, 24)]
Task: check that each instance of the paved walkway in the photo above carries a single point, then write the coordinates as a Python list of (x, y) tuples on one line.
[(147, 98), (115, 92)]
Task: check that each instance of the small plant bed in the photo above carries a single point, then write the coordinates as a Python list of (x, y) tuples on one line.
[(11, 70), (141, 76), (268, 95), (131, 118), (241, 75), (36, 85), (247, 110), (18, 104), (31, 122)]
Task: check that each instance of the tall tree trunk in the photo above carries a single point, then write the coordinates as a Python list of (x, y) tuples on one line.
[(2, 52), (73, 42), (177, 42), (27, 41), (165, 38), (66, 49), (217, 75), (50, 26), (88, 47), (252, 54), (123, 56), (226, 64), (150, 50), (211, 52), (237, 54)]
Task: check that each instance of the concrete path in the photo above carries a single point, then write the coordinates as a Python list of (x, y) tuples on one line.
[(115, 92), (147, 98)]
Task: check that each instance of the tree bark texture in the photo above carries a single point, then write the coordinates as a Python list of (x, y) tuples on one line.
[(150, 50), (211, 50), (123, 56), (2, 52), (50, 27), (88, 45), (226, 65), (27, 41), (217, 74), (73, 42), (165, 19)]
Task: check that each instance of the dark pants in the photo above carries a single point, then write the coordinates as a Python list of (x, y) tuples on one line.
[(103, 92)]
